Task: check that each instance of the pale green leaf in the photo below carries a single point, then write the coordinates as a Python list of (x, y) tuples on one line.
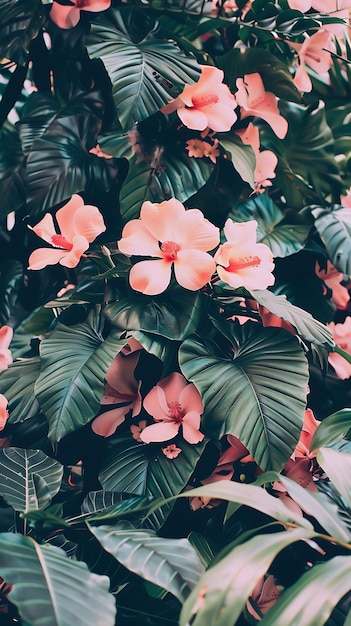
[(337, 465), (332, 428)]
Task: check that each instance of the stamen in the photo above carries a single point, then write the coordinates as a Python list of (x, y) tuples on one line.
[(175, 411), (244, 262), (59, 241), (170, 249), (204, 101)]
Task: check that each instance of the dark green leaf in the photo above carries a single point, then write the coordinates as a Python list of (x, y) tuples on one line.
[(331, 428), (17, 385), (12, 172), (334, 228), (20, 23)]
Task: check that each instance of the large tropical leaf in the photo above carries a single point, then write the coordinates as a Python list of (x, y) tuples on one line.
[(49, 588), (110, 505), (334, 228), (28, 478), (258, 395), (145, 75), (312, 598), (170, 563), (17, 384), (74, 360), (173, 315), (12, 171), (20, 23), (307, 327), (174, 176), (141, 469), (221, 594)]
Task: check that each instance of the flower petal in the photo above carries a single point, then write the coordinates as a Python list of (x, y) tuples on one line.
[(162, 431), (65, 216), (190, 425), (72, 258), (107, 423), (42, 257), (155, 404), (138, 241), (193, 269), (6, 334), (159, 218), (220, 117), (45, 229), (192, 230), (150, 277), (193, 118), (88, 222), (190, 399)]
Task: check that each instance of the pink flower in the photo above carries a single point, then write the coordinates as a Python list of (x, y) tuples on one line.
[(266, 161), (309, 427), (255, 101), (206, 104), (79, 225), (100, 153), (179, 238), (6, 334), (265, 594), (300, 471), (173, 403), (4, 414), (121, 390), (171, 451), (315, 52), (196, 148), (342, 337), (333, 278), (136, 429), (68, 16), (241, 261)]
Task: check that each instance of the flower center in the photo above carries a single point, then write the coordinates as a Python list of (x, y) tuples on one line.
[(61, 242), (170, 249), (204, 101), (175, 411), (243, 263)]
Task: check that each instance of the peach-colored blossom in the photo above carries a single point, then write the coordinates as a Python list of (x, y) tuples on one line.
[(241, 261), (300, 470), (173, 402), (121, 390), (136, 429), (206, 104), (6, 334), (265, 595), (196, 148), (333, 278), (255, 101), (315, 52), (178, 238), (171, 451), (309, 427), (79, 225), (68, 16), (100, 153), (266, 161), (4, 414), (342, 337)]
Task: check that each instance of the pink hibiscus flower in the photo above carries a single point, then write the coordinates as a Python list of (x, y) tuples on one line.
[(180, 238), (266, 161), (315, 52), (265, 594), (241, 261), (173, 403), (206, 104), (79, 225), (333, 278), (68, 16), (255, 101)]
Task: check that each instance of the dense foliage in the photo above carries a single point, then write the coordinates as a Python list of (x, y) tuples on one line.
[(175, 341)]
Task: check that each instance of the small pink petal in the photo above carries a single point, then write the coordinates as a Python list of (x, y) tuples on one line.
[(42, 257), (45, 229), (162, 431), (65, 216), (107, 423), (190, 425), (193, 269), (150, 277)]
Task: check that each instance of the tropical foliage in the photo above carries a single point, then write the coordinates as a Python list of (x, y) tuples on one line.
[(175, 341)]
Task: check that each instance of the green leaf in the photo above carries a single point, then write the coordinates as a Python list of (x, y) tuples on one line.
[(74, 360), (221, 594), (173, 564), (174, 175), (49, 588), (328, 582), (202, 547), (250, 495), (143, 470), (28, 478), (307, 327), (145, 75), (11, 281), (334, 228), (242, 157), (331, 428), (17, 385), (20, 23), (173, 314), (12, 172), (48, 521), (337, 466), (258, 395), (109, 505)]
